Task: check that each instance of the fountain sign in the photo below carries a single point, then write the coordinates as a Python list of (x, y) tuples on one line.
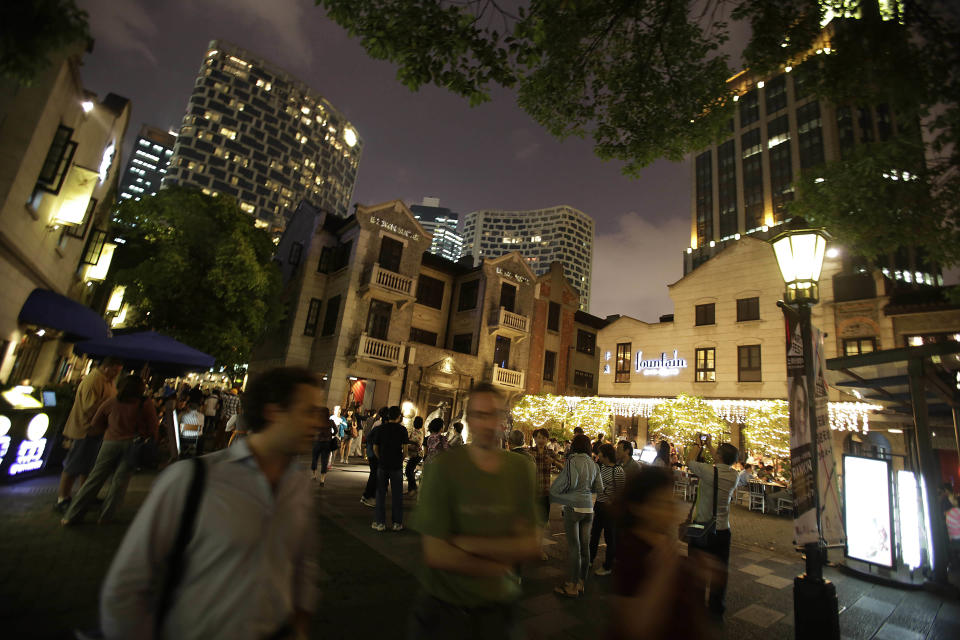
[(663, 366)]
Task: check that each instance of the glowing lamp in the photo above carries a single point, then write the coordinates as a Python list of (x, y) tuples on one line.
[(800, 258), (350, 137)]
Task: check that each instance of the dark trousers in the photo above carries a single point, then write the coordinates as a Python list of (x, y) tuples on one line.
[(438, 620), (321, 452), (371, 489), (714, 560), (603, 522), (412, 463), (395, 478)]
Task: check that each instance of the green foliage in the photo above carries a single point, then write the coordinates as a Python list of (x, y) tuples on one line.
[(546, 411), (680, 419), (593, 415), (197, 269), (767, 430), (30, 30)]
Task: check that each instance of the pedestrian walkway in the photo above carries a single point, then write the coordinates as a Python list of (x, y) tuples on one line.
[(50, 577)]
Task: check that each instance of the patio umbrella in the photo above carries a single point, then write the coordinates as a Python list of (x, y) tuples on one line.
[(148, 347)]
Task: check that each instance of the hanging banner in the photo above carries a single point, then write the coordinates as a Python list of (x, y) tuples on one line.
[(831, 514), (801, 448)]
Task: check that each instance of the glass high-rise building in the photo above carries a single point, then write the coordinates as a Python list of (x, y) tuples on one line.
[(148, 163), (253, 131), (442, 223), (555, 234)]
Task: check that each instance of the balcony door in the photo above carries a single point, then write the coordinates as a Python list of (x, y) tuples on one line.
[(391, 251), (378, 321), (508, 296), (501, 352)]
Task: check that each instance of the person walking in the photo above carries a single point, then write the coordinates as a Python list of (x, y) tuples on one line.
[(322, 447), (121, 419), (369, 497), (574, 490), (210, 405), (95, 389), (414, 454), (436, 443), (603, 516), (388, 446), (356, 443), (546, 462), (712, 552), (349, 429), (249, 570), (478, 520)]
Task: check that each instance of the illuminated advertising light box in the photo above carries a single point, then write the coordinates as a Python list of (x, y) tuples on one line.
[(648, 455), (867, 513), (908, 500)]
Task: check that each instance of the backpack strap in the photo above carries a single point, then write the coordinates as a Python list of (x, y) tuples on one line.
[(176, 560)]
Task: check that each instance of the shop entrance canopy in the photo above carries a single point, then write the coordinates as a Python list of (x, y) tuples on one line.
[(148, 347), (50, 310)]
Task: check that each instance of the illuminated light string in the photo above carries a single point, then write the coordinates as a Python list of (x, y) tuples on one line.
[(537, 410)]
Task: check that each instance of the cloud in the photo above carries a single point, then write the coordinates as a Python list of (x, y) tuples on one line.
[(286, 18), (633, 266), (124, 26), (525, 144)]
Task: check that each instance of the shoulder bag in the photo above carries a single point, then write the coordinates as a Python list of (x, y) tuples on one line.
[(701, 534), (142, 452)]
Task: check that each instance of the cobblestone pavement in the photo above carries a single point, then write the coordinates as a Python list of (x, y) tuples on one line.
[(50, 576)]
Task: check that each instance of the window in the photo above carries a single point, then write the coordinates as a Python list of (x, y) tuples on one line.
[(501, 352), (553, 317), (859, 346), (296, 253), (331, 317), (748, 309), (423, 336), (586, 341), (94, 247), (313, 317), (623, 362), (391, 252), (582, 379), (80, 230), (549, 365), (706, 365), (749, 104), (468, 296), (776, 94), (727, 187), (463, 343), (430, 292), (752, 169), (508, 296), (704, 178), (378, 319), (748, 363), (781, 172), (706, 314), (58, 160), (810, 135), (333, 259)]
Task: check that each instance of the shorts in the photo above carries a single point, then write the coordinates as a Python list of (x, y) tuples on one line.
[(82, 456)]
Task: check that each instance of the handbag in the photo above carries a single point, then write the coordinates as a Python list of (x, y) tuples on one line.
[(701, 534), (142, 453)]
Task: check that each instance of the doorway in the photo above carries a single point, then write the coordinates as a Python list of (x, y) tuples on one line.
[(508, 296), (391, 252), (378, 320), (501, 352)]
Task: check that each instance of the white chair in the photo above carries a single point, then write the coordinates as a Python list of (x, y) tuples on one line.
[(681, 487), (742, 496), (784, 504), (757, 497)]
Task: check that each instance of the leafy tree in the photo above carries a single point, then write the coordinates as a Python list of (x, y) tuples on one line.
[(647, 79), (680, 419), (767, 430), (30, 30), (593, 415), (196, 268), (545, 410)]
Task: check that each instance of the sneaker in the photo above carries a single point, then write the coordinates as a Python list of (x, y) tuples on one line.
[(602, 571), (378, 526), (367, 502), (396, 526), (62, 505)]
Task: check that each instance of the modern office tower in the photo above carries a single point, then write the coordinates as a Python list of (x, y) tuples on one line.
[(562, 234), (741, 185), (148, 163), (253, 131), (442, 223)]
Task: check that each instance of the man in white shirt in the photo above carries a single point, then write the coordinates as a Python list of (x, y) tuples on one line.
[(713, 554), (250, 564)]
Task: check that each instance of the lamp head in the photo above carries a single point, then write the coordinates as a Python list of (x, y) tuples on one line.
[(799, 255)]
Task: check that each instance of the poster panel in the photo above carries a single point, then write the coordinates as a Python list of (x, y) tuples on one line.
[(804, 487), (831, 511), (866, 492)]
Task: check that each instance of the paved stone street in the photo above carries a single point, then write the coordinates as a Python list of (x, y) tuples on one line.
[(51, 576)]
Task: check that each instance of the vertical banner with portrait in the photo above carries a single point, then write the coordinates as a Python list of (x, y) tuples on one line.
[(801, 447), (831, 513)]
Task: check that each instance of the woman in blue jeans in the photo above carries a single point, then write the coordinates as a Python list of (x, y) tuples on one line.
[(574, 490)]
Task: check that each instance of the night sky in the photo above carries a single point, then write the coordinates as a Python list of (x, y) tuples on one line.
[(429, 143)]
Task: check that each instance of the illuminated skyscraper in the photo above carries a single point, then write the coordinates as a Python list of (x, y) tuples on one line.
[(253, 131), (442, 223), (148, 163)]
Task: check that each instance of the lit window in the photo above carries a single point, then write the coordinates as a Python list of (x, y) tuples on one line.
[(246, 207), (230, 133)]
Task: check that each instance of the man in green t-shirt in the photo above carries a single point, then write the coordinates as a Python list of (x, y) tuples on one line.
[(478, 517)]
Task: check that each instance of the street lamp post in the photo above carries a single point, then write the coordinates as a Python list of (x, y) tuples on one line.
[(800, 258)]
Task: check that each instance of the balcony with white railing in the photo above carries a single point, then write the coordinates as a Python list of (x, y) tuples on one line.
[(389, 284), (509, 323), (382, 351), (507, 378)]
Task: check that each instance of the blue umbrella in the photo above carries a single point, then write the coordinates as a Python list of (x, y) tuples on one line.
[(148, 347)]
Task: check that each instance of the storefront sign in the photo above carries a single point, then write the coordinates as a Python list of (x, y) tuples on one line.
[(29, 456), (513, 276), (393, 228), (663, 366)]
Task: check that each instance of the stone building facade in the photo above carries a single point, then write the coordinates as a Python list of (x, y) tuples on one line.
[(59, 160), (383, 321)]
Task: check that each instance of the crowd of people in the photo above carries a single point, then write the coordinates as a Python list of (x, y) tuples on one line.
[(481, 509)]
